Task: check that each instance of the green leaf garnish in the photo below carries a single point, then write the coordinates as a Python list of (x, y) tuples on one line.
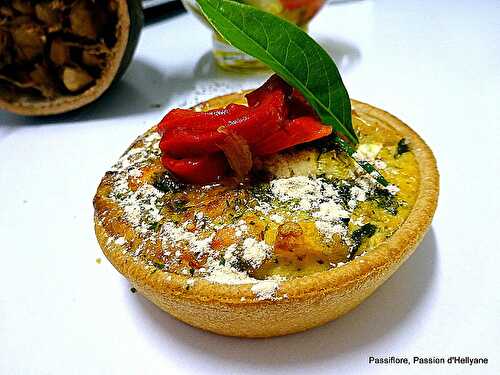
[(288, 51), (296, 58)]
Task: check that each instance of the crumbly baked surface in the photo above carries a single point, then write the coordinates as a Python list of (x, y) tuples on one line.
[(309, 221)]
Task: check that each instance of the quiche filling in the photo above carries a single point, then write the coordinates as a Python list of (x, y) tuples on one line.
[(308, 209)]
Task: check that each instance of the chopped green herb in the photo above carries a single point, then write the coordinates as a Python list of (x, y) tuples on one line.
[(179, 205), (119, 196), (345, 220), (154, 226), (402, 148), (241, 264), (238, 202), (385, 200), (238, 214), (262, 192), (159, 265), (359, 235), (343, 189), (164, 183), (344, 192), (222, 261)]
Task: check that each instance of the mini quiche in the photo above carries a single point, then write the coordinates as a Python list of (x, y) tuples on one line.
[(302, 239)]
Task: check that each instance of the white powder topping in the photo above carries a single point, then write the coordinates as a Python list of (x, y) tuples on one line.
[(174, 235), (308, 191), (330, 211), (225, 274), (359, 222), (329, 229), (142, 207), (153, 137), (263, 207), (120, 241), (255, 252), (299, 187), (201, 246), (139, 249), (266, 289), (277, 218), (230, 256), (393, 189), (358, 194), (321, 197), (241, 227), (380, 164), (367, 151), (135, 172), (366, 183), (352, 204)]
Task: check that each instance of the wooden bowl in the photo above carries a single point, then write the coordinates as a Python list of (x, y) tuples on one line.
[(67, 66)]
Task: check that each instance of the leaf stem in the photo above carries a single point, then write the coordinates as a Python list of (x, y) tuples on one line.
[(363, 164)]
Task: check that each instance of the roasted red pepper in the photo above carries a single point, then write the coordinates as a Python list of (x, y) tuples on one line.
[(273, 84), (253, 124), (183, 143), (298, 106), (188, 133), (201, 170), (210, 120), (295, 4), (294, 132), (196, 146)]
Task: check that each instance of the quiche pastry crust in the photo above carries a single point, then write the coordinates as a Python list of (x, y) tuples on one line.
[(306, 301)]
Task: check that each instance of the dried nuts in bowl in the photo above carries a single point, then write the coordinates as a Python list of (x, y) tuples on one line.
[(59, 55)]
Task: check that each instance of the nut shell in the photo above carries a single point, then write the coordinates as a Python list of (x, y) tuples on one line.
[(80, 92)]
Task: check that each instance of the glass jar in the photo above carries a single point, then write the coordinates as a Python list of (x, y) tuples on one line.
[(299, 12)]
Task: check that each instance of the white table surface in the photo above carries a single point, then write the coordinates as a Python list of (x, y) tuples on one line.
[(436, 65)]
